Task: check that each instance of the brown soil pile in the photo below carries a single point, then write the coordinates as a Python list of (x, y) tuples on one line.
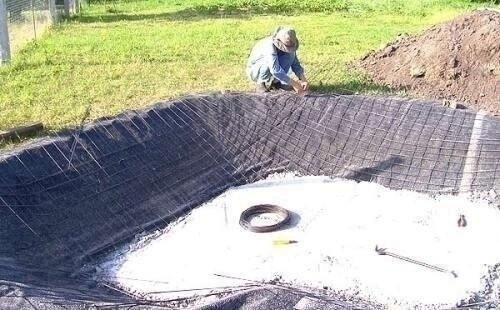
[(456, 61)]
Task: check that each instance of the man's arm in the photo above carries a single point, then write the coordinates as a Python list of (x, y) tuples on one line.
[(304, 82), (299, 72), (276, 69), (278, 72)]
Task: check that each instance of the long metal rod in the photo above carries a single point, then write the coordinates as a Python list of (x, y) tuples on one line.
[(383, 251)]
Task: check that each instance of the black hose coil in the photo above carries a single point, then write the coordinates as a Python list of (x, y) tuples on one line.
[(247, 215)]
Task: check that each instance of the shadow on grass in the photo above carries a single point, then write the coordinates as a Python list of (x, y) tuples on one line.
[(355, 87), (218, 10), (14, 142), (188, 14)]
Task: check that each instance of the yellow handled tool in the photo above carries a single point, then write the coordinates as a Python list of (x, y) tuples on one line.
[(284, 241)]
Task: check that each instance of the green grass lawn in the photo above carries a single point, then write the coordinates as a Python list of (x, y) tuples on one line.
[(121, 55)]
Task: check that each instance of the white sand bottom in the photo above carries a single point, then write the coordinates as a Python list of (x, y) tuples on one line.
[(340, 224)]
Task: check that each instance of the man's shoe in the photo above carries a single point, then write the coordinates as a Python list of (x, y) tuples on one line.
[(261, 88), (278, 85)]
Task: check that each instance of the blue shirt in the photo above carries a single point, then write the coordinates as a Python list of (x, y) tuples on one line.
[(266, 53)]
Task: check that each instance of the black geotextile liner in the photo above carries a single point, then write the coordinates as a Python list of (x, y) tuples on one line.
[(67, 198)]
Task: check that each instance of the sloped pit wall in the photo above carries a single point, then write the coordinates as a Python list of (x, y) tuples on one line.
[(66, 198)]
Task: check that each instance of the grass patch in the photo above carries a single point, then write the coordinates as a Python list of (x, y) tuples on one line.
[(122, 55), (211, 7)]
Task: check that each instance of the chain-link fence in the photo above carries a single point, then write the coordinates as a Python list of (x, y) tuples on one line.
[(24, 20)]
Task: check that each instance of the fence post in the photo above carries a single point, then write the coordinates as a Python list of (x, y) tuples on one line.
[(53, 11), (67, 7), (4, 34)]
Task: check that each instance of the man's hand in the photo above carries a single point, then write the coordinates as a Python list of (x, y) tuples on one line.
[(303, 81), (299, 87), (305, 85)]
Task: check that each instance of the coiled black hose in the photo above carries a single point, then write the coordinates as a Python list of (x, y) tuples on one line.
[(249, 213)]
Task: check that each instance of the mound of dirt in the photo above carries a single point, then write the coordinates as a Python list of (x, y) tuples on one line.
[(458, 61)]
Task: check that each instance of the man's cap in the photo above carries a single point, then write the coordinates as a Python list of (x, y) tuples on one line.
[(285, 39)]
